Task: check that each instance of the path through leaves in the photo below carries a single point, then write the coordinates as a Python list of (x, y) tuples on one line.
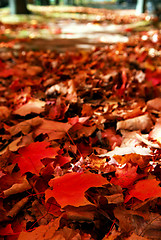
[(80, 142)]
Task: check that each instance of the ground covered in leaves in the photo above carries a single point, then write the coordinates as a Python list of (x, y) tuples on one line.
[(80, 142)]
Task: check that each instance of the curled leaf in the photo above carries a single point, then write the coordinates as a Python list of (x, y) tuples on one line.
[(142, 123)]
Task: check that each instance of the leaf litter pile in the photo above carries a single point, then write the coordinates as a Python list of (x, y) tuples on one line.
[(80, 142)]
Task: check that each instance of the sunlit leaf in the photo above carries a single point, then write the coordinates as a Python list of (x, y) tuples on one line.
[(33, 106), (70, 188)]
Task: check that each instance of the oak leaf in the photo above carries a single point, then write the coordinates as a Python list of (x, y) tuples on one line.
[(70, 188)]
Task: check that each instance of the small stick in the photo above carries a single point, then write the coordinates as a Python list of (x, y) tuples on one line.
[(17, 207)]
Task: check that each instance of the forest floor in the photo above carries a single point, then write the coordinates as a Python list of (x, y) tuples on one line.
[(80, 125)]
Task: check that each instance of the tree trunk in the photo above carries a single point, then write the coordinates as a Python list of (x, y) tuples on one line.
[(56, 2), (45, 2), (18, 7), (42, 2), (140, 6), (70, 2)]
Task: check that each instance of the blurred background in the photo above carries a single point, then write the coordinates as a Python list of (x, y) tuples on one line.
[(151, 6)]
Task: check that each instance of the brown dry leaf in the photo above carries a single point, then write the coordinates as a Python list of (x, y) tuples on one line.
[(33, 106), (67, 234), (142, 123), (19, 142), (79, 130), (12, 146), (140, 223), (55, 130), (82, 213), (26, 126), (38, 210), (115, 198), (136, 237), (112, 235), (4, 112), (87, 110), (25, 140), (33, 70), (154, 104), (45, 232)]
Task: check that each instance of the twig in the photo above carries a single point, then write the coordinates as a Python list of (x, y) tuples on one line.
[(17, 188), (17, 207)]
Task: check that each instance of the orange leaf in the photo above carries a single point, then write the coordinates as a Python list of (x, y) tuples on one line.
[(70, 188), (29, 159), (145, 189)]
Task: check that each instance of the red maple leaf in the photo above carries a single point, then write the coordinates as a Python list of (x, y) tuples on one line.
[(29, 158), (2, 65), (70, 188), (144, 189), (154, 77), (6, 73), (61, 160), (125, 176), (7, 230), (120, 90), (1, 174), (110, 137)]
